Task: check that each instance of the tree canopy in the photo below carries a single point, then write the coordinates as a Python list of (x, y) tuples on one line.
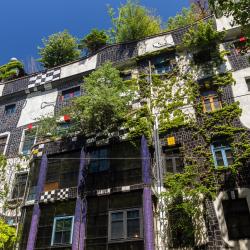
[(133, 22), (94, 41), (7, 236), (238, 9), (186, 17), (58, 49)]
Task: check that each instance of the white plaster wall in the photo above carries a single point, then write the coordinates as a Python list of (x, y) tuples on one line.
[(239, 244), (155, 43), (38, 104), (241, 94), (1, 88), (225, 23), (79, 67)]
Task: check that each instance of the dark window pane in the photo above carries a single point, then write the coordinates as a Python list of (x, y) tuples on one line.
[(216, 103), (117, 230), (219, 158), (133, 214), (207, 105), (10, 109), (57, 237), (229, 156), (133, 228), (117, 216), (3, 140), (237, 218)]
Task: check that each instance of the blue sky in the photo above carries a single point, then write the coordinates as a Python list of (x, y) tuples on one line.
[(24, 23)]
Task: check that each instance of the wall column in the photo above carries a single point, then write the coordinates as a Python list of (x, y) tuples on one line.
[(148, 220), (36, 209), (78, 242)]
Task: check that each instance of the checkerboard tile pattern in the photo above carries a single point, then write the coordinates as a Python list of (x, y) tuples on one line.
[(42, 78), (55, 195)]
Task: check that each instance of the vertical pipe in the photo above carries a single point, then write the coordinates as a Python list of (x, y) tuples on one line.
[(36, 209), (148, 221), (81, 207)]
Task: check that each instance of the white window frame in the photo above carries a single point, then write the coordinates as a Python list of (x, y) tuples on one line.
[(22, 140), (7, 141), (54, 228), (125, 237)]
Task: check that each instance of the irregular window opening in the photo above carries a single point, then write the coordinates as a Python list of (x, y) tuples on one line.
[(62, 230), (28, 140), (210, 101), (19, 185), (222, 154), (237, 218), (3, 141), (162, 65), (10, 109), (248, 83), (70, 93), (173, 160), (125, 224), (202, 56)]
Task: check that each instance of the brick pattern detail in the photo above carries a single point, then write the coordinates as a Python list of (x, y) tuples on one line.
[(236, 60)]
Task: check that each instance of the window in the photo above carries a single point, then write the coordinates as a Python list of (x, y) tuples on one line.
[(3, 142), (248, 83), (71, 93), (162, 65), (62, 230), (210, 101), (99, 160), (174, 161), (125, 224), (28, 140), (19, 185), (237, 218), (201, 57), (222, 154), (10, 109), (126, 76)]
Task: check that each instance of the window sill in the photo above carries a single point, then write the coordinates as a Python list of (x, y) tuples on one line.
[(124, 240)]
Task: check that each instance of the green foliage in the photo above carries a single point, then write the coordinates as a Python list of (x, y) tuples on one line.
[(7, 236), (103, 107), (58, 49), (10, 70), (201, 36), (238, 9), (94, 41), (186, 17), (133, 22), (4, 188)]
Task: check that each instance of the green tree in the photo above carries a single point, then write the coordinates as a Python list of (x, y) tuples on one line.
[(103, 107), (7, 236), (186, 17), (94, 41), (58, 49), (238, 9), (133, 22)]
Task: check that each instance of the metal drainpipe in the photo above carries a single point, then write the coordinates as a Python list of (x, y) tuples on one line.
[(158, 159), (36, 208)]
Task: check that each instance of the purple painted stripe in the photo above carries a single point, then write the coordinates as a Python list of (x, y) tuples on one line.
[(146, 170), (148, 219), (33, 227), (42, 177), (80, 210), (36, 208)]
